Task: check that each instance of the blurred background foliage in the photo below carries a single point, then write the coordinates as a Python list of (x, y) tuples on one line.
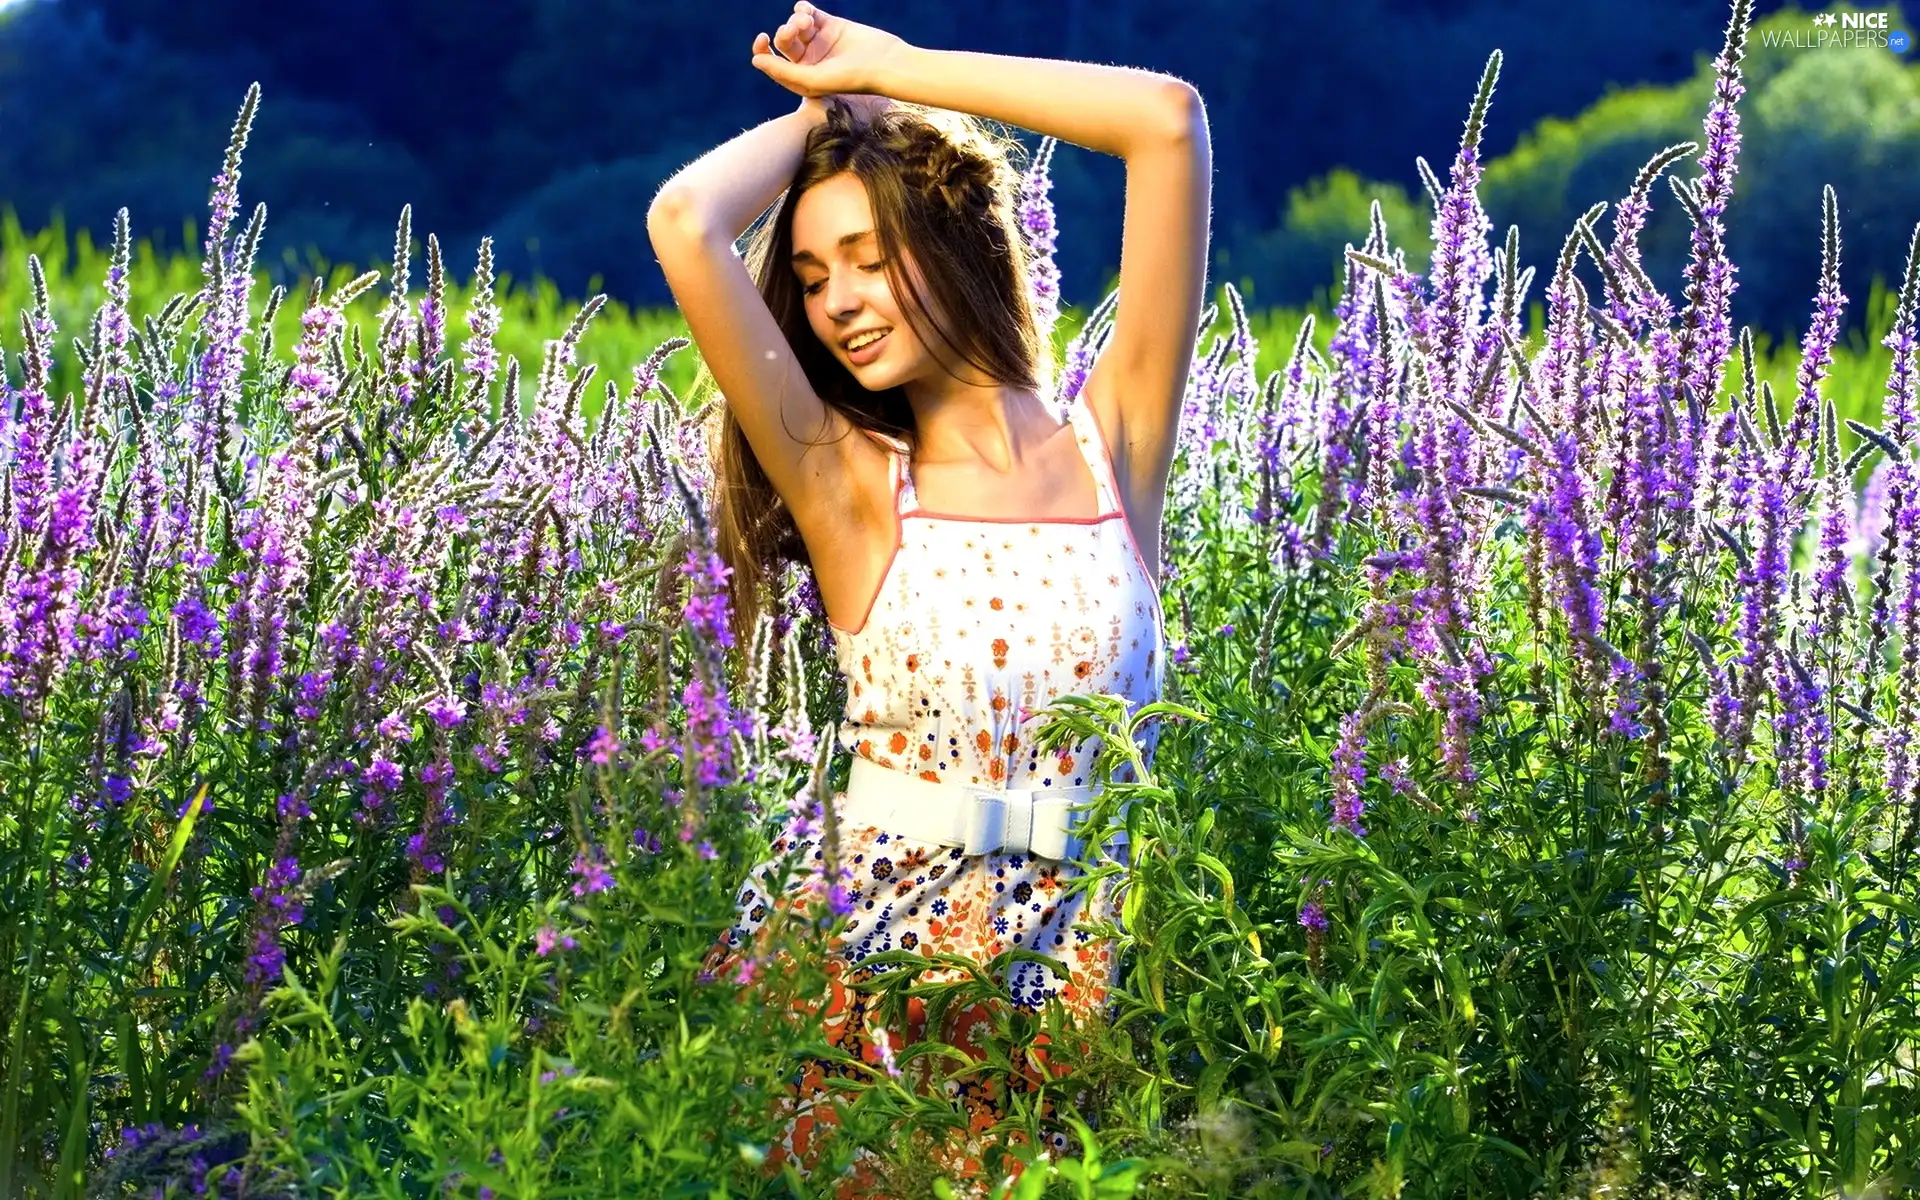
[(549, 125)]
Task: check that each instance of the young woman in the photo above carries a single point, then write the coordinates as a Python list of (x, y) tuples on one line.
[(977, 555)]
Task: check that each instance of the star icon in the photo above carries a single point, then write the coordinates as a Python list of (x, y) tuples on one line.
[(1829, 19)]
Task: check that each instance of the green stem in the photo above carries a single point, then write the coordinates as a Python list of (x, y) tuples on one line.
[(17, 1051)]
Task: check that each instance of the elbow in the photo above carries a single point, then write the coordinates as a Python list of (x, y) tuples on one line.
[(672, 211), (1185, 114)]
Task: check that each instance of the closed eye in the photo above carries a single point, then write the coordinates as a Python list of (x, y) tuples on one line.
[(811, 288)]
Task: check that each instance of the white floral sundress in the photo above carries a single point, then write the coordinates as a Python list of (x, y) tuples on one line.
[(977, 621)]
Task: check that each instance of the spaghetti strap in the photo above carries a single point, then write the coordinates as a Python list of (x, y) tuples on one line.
[(1093, 448), (885, 439), (899, 478)]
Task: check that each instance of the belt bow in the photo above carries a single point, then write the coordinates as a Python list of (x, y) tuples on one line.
[(1023, 820)]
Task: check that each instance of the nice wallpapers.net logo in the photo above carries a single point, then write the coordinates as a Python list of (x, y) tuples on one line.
[(1842, 31)]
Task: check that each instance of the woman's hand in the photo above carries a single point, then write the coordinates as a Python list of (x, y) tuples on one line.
[(826, 56)]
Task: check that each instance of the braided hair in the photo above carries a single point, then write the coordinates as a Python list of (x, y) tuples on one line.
[(952, 175), (944, 191)]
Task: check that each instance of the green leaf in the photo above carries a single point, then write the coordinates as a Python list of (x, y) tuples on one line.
[(1769, 902), (1211, 1081), (1899, 904), (157, 886), (1457, 983), (73, 1148), (1786, 1121)]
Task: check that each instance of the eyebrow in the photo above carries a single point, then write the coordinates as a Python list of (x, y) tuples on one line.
[(846, 239)]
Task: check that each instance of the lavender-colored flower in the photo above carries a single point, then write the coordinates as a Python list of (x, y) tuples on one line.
[(1035, 210), (397, 321), (228, 271), (1313, 916), (384, 774), (222, 1059), (1898, 739), (1460, 256), (281, 527), (547, 938), (706, 608), (1816, 351), (604, 746), (840, 899), (396, 726), (198, 625), (1901, 417), (40, 578), (426, 848), (310, 692), (483, 319), (1706, 337), (279, 907), (1349, 773), (446, 711), (1395, 773), (1867, 533), (590, 874), (431, 326)]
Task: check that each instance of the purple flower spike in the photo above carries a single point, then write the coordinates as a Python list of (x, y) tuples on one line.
[(590, 874)]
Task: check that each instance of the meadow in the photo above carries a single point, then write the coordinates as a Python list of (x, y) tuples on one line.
[(1535, 811)]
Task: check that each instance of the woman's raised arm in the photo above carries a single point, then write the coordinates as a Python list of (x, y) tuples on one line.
[(727, 188), (797, 438), (1110, 109), (1158, 124)]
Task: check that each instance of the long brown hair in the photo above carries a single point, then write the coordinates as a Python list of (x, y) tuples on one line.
[(941, 185)]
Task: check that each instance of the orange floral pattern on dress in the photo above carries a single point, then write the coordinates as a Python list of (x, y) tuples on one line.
[(977, 625)]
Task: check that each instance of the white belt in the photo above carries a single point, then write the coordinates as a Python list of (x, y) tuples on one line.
[(982, 820)]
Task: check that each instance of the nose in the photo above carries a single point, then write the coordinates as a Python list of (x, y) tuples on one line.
[(842, 298)]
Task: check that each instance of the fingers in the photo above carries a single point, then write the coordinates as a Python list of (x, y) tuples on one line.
[(794, 35), (781, 41)]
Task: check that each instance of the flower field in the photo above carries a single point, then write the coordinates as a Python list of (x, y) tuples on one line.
[(1537, 811)]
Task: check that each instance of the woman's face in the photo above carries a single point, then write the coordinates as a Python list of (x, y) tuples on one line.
[(844, 284)]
